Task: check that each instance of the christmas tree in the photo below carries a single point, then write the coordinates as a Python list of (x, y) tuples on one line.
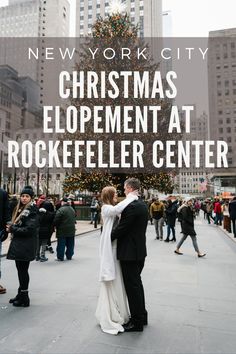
[(116, 31)]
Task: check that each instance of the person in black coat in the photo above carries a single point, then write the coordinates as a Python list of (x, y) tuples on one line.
[(171, 215), (131, 251), (46, 217), (232, 214), (4, 218), (22, 249), (187, 224)]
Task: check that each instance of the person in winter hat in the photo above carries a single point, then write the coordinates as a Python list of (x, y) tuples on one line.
[(22, 249)]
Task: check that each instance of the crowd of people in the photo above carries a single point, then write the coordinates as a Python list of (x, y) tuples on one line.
[(121, 303), (166, 212), (30, 224)]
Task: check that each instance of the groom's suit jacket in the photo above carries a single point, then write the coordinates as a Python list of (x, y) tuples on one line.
[(131, 232)]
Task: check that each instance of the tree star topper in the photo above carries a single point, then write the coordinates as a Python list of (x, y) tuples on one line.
[(116, 6)]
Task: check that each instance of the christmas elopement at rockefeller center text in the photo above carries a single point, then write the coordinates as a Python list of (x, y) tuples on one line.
[(130, 121)]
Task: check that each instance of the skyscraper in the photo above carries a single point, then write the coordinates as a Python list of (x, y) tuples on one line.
[(35, 18), (29, 20), (148, 14), (222, 97)]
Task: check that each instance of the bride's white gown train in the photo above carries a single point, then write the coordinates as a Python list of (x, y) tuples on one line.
[(112, 308)]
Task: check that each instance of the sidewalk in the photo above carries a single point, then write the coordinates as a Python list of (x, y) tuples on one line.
[(230, 235), (190, 300), (82, 227)]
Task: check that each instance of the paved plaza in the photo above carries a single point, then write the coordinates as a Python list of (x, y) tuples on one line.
[(191, 301)]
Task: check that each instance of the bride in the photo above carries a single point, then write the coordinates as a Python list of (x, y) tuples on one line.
[(112, 308)]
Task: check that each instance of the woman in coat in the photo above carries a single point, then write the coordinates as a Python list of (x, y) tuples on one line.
[(112, 308), (22, 249), (187, 224)]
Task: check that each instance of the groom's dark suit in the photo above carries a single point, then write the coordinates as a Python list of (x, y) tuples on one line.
[(131, 251)]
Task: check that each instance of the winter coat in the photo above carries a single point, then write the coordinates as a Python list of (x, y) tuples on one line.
[(46, 217), (107, 248), (171, 213), (217, 208), (131, 232), (24, 235), (4, 209), (187, 220), (232, 210), (209, 207), (157, 210), (65, 221)]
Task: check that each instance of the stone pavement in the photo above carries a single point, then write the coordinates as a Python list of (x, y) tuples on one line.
[(191, 301)]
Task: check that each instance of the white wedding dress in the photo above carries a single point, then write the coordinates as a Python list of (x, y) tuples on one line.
[(112, 308)]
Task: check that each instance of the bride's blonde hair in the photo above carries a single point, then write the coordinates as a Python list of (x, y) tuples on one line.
[(107, 195)]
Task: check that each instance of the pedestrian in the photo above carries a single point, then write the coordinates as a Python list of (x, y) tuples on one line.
[(171, 214), (65, 230), (232, 213), (4, 218), (179, 214), (46, 217), (131, 252), (97, 213), (40, 200), (187, 217), (218, 212), (112, 308), (149, 206), (157, 214), (226, 216), (93, 209), (71, 198), (51, 208), (22, 249), (209, 209)]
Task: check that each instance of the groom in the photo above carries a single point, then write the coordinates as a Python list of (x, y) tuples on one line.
[(131, 251)]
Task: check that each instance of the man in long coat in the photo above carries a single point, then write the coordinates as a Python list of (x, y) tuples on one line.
[(131, 251)]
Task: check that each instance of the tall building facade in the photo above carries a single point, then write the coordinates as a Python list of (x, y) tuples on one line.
[(222, 100), (35, 18), (148, 14), (32, 20), (19, 109), (192, 180)]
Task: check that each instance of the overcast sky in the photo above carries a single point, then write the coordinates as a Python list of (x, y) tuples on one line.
[(195, 18)]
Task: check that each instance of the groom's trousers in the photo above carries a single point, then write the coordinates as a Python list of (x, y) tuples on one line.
[(131, 271)]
